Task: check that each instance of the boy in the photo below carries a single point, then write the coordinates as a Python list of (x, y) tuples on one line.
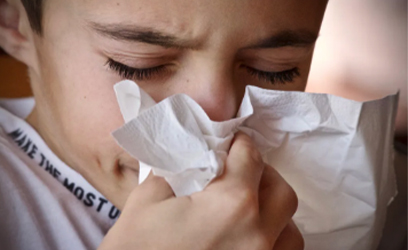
[(209, 50)]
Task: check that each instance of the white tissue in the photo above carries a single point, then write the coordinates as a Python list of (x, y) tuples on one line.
[(335, 153)]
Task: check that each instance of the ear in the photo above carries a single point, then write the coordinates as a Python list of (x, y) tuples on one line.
[(15, 33)]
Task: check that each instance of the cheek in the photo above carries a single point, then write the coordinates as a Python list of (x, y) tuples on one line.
[(80, 89), (92, 115), (84, 101), (90, 106)]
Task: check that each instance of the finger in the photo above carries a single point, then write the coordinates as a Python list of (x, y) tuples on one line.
[(244, 164), (290, 239), (277, 201), (153, 190)]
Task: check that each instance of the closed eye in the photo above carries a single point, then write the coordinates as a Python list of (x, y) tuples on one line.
[(281, 77), (138, 74)]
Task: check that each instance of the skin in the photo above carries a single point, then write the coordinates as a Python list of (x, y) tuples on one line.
[(259, 207), (76, 108)]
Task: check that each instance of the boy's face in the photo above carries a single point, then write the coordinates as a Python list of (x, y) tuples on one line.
[(209, 50)]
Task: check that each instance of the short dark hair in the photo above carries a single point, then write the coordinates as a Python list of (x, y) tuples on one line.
[(34, 9)]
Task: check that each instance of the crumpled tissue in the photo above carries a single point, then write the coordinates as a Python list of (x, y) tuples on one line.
[(335, 153)]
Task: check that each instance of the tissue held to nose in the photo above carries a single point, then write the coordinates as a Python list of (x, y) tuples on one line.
[(334, 152), (249, 207)]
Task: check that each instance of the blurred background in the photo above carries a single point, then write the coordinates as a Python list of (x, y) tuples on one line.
[(361, 53), (13, 78)]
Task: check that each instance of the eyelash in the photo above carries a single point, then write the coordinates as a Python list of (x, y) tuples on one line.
[(127, 72), (134, 73), (282, 77)]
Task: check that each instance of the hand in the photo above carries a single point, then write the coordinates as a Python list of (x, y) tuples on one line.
[(248, 207)]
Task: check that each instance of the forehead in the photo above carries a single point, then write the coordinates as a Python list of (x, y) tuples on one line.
[(198, 17)]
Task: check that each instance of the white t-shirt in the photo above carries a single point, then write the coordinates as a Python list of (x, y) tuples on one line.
[(44, 204)]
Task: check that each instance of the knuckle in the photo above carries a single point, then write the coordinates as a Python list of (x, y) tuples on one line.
[(288, 197), (154, 182), (297, 239), (300, 243), (290, 238), (292, 199), (248, 201), (243, 204), (253, 155), (261, 241)]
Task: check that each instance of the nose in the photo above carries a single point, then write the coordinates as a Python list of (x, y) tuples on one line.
[(215, 90)]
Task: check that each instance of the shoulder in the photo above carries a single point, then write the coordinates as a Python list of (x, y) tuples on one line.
[(12, 111), (13, 163), (8, 153), (20, 107)]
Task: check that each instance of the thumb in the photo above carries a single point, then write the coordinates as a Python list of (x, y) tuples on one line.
[(153, 190), (244, 165)]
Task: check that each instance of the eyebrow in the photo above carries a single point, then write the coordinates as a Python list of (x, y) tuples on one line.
[(142, 34), (134, 33), (287, 38)]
